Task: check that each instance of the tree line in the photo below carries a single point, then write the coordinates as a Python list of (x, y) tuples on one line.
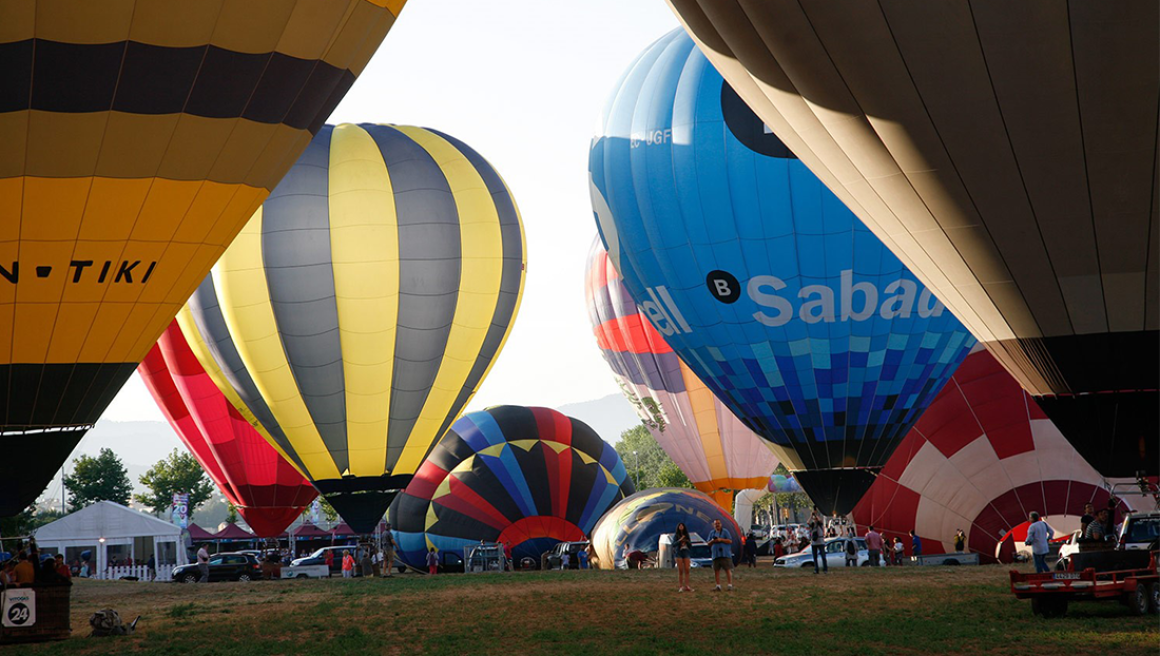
[(104, 478)]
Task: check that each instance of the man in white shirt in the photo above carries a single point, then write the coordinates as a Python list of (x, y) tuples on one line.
[(203, 564), (1037, 536)]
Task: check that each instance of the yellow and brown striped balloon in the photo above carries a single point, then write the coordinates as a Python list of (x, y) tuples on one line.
[(358, 311), (136, 137)]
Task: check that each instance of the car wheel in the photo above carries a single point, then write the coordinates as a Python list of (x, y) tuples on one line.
[(244, 578), (866, 563), (301, 576), (805, 565), (1154, 598), (1139, 601), (402, 569), (189, 578)]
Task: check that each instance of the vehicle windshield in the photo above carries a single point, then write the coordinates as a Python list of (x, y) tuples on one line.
[(1144, 529), (321, 553)]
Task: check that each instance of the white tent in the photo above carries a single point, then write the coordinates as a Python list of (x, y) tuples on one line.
[(107, 524)]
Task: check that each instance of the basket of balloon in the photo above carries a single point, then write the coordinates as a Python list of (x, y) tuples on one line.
[(35, 613)]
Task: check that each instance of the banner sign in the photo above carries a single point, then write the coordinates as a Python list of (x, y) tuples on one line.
[(19, 607)]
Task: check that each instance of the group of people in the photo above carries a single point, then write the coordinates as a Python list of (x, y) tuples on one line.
[(29, 567), (884, 551)]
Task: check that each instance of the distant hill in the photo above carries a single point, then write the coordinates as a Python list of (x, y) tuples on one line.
[(608, 416)]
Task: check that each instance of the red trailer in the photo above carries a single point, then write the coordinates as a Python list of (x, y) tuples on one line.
[(1050, 593)]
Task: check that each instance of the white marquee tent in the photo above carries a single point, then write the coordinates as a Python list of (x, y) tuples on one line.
[(106, 527)]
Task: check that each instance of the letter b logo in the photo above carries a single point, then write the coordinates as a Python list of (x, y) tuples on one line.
[(724, 286)]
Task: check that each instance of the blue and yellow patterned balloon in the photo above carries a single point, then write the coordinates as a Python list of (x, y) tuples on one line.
[(761, 280)]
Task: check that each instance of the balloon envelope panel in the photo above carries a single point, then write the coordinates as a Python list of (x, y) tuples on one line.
[(779, 484), (775, 295), (980, 459), (702, 436), (135, 140), (360, 309), (529, 477), (267, 490), (1019, 183), (638, 522)]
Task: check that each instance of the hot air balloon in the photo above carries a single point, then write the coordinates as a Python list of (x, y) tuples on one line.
[(527, 477), (980, 459), (774, 294), (137, 137), (638, 522), (267, 490), (362, 305), (710, 445), (779, 484), (1006, 152)]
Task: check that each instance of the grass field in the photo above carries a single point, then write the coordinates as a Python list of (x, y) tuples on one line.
[(932, 610)]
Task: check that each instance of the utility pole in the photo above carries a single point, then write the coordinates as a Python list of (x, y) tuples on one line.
[(636, 459)]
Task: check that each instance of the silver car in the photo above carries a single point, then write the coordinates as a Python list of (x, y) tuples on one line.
[(835, 555)]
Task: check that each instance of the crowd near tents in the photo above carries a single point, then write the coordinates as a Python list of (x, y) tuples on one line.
[(919, 272)]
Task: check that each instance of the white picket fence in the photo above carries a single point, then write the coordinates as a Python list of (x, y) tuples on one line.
[(140, 571)]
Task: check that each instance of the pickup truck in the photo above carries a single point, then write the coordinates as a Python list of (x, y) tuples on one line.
[(310, 571)]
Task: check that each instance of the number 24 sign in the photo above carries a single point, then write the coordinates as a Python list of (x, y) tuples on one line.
[(19, 608)]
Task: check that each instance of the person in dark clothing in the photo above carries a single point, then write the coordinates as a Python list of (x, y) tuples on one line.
[(1089, 516), (751, 550)]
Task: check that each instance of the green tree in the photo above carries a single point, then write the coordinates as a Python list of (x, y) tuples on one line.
[(231, 514), (178, 472), (98, 479), (647, 463)]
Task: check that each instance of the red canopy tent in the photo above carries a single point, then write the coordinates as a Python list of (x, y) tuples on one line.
[(233, 532), (343, 530), (309, 531), (199, 534)]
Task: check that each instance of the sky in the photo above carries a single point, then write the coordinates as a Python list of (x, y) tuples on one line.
[(522, 82)]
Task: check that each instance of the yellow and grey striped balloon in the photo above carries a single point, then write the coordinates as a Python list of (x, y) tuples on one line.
[(361, 307), (136, 137)]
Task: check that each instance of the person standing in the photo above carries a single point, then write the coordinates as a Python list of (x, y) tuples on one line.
[(778, 549), (719, 548), (347, 564), (851, 548), (151, 567), (203, 564), (329, 558), (388, 551), (1038, 535), (565, 560), (366, 563), (899, 551), (960, 541), (432, 562), (1089, 516), (751, 550), (582, 556), (818, 546), (683, 544), (915, 544)]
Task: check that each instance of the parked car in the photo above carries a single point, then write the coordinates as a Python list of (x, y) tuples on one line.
[(319, 558), (835, 555), (222, 567), (555, 556)]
